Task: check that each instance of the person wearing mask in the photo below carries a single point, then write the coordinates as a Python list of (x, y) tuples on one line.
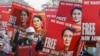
[(30, 31), (89, 49), (29, 36), (96, 53)]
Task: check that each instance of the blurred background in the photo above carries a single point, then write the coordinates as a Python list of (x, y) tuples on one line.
[(38, 5)]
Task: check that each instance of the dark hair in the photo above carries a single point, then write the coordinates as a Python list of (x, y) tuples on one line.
[(68, 28), (38, 16), (25, 11), (78, 8)]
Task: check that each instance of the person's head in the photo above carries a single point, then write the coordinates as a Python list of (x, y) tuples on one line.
[(37, 21), (76, 14), (67, 35), (24, 14), (30, 32)]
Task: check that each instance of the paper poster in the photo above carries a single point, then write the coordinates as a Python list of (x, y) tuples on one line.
[(90, 27), (56, 40), (20, 15), (4, 20), (50, 13), (4, 23)]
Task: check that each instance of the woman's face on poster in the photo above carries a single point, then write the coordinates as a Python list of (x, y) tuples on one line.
[(67, 37), (77, 15), (37, 22), (24, 16)]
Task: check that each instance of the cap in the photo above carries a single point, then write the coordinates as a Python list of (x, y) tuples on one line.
[(30, 29)]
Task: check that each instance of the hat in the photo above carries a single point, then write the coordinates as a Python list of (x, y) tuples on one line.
[(30, 29)]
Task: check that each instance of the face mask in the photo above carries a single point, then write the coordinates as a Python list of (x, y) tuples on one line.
[(30, 37), (35, 39), (91, 50)]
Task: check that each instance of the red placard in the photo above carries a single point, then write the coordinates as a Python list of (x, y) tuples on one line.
[(90, 28), (4, 8), (4, 23), (21, 15), (25, 50), (4, 20), (29, 50), (54, 43), (50, 13)]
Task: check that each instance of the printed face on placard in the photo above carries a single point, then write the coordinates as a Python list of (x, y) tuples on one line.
[(67, 37), (21, 15), (24, 15), (37, 21), (76, 15)]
